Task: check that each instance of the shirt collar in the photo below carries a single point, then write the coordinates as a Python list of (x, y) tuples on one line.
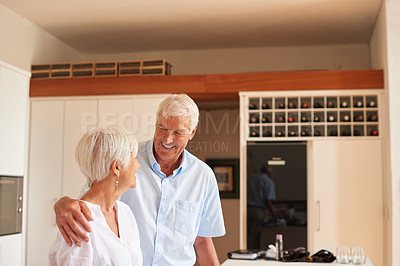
[(156, 167)]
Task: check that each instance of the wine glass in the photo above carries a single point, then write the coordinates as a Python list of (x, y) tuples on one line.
[(358, 255), (343, 255)]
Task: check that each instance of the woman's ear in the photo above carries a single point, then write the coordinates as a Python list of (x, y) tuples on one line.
[(116, 167)]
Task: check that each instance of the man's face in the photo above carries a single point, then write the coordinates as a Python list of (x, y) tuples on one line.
[(171, 137)]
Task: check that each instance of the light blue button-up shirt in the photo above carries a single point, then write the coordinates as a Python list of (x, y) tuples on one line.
[(172, 211)]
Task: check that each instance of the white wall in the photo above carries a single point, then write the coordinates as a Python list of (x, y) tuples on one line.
[(385, 54), (328, 57), (217, 136), (23, 43)]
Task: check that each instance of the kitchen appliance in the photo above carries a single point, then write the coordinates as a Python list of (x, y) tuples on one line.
[(287, 166), (11, 191)]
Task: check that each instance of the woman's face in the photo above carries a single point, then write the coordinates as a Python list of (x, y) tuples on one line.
[(129, 174)]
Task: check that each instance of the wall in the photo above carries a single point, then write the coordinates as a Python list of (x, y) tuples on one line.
[(23, 43), (385, 54), (218, 137), (353, 56)]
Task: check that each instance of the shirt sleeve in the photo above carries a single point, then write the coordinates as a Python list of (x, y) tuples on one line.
[(270, 190), (62, 254), (212, 220)]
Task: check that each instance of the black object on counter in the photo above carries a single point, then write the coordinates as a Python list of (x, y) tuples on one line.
[(323, 256)]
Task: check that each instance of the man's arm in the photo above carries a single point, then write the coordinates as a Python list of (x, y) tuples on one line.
[(205, 251), (68, 213), (271, 207)]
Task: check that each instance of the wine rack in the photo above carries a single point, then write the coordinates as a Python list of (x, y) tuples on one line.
[(312, 115)]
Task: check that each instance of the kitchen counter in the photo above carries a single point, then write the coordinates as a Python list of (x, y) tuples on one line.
[(262, 262)]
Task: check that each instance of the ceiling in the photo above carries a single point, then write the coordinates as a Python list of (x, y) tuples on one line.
[(119, 26)]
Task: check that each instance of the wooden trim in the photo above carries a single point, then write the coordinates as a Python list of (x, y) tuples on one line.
[(212, 87)]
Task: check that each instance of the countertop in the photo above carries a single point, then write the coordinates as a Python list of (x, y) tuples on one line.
[(262, 262)]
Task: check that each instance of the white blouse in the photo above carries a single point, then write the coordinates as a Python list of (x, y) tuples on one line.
[(104, 247)]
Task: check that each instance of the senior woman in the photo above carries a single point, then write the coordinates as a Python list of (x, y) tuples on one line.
[(107, 158)]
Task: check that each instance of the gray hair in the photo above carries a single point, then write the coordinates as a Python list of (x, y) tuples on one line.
[(179, 105), (98, 148)]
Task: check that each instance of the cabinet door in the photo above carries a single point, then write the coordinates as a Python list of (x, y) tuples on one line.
[(13, 109), (11, 250), (145, 109), (45, 175), (346, 187), (80, 116), (117, 112)]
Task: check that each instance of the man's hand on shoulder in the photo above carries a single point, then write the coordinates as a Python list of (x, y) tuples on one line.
[(68, 213)]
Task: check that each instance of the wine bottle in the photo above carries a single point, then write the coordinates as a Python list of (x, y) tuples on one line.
[(346, 118), (304, 105), (373, 118), (280, 119), (291, 105), (304, 133), (252, 106), (254, 119), (358, 104), (317, 133), (371, 103), (331, 118), (291, 119), (292, 133), (265, 119), (374, 132), (280, 133), (331, 104), (304, 118), (317, 119), (344, 104), (281, 106), (359, 118), (254, 133), (265, 106)]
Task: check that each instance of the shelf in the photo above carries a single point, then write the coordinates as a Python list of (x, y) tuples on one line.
[(289, 117), (212, 87)]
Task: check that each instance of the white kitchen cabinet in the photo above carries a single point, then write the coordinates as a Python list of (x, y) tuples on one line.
[(56, 126), (344, 171), (116, 112), (145, 108), (14, 86), (11, 250), (346, 203), (78, 119), (45, 177), (14, 91)]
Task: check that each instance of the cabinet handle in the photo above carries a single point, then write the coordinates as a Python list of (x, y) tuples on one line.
[(318, 216)]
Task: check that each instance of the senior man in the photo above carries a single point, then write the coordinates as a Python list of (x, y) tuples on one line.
[(176, 202)]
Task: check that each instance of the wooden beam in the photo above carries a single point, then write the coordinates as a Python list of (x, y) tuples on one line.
[(212, 87)]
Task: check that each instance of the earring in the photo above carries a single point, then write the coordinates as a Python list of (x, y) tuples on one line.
[(116, 183)]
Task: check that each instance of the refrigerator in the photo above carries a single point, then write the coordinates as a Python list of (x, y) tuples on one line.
[(276, 193)]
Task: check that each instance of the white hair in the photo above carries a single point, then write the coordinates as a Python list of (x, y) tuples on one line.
[(179, 105), (98, 148)]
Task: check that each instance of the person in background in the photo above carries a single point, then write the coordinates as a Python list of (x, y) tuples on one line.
[(107, 158), (176, 203), (260, 195)]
